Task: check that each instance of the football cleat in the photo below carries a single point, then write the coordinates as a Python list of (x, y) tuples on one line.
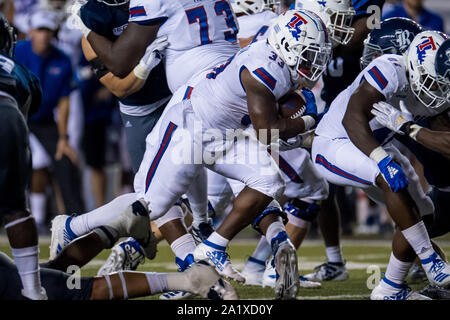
[(269, 279), (435, 292), (253, 272), (285, 263), (206, 282), (203, 231), (437, 271), (62, 235), (218, 258), (178, 295), (126, 255), (330, 271), (395, 292)]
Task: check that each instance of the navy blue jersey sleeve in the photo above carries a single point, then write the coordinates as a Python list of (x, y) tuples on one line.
[(36, 91), (361, 6), (98, 17)]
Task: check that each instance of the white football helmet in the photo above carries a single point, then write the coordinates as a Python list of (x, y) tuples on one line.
[(300, 39), (337, 16), (421, 57), (255, 6)]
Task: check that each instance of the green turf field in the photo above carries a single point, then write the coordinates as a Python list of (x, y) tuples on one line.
[(364, 257)]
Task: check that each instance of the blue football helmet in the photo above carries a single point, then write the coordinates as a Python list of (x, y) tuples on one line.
[(394, 36), (442, 65)]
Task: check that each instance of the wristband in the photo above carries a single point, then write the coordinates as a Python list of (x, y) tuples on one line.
[(414, 130), (378, 154), (141, 72), (309, 122)]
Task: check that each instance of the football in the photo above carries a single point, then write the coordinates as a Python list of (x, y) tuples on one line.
[(291, 106)]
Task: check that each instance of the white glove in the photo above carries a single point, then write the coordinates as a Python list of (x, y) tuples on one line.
[(152, 57), (390, 117), (302, 140)]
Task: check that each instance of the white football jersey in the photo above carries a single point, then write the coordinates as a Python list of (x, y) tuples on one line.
[(256, 25), (387, 74), (220, 100), (201, 34)]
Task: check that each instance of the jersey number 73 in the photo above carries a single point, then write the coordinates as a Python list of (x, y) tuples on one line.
[(221, 8)]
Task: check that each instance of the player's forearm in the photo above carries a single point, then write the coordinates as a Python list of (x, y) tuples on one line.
[(270, 132), (435, 140), (63, 116), (119, 60), (122, 88)]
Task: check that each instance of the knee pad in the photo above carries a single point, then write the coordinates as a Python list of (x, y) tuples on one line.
[(269, 210), (175, 212), (302, 210)]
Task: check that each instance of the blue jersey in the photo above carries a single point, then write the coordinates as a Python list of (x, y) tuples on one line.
[(344, 69), (55, 75), (110, 23), (21, 84)]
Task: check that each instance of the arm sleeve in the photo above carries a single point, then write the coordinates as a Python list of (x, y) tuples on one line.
[(384, 74), (146, 12)]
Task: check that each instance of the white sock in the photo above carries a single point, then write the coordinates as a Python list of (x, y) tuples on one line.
[(183, 246), (273, 230), (174, 213), (263, 250), (334, 254), (199, 214), (38, 206), (103, 215), (396, 272), (27, 263), (158, 282), (216, 239), (419, 240)]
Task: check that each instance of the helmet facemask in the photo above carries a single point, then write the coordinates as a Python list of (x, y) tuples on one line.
[(311, 61), (339, 27), (427, 90)]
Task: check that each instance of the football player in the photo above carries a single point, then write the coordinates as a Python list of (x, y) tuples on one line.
[(242, 91), (20, 95), (349, 130), (200, 279)]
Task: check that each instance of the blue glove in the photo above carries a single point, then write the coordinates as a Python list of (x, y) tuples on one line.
[(311, 107), (393, 174)]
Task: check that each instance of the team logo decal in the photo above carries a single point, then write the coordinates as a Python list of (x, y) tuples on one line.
[(422, 48), (294, 25), (322, 3), (447, 53), (402, 39)]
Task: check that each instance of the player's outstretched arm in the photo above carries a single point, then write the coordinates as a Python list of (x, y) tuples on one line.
[(135, 80), (437, 138), (262, 108), (123, 55)]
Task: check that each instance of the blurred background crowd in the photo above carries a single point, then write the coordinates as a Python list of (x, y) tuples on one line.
[(90, 165)]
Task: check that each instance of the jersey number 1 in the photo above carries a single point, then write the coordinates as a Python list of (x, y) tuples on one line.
[(199, 15)]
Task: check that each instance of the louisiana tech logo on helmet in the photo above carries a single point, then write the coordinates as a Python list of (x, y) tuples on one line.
[(422, 48), (294, 25)]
